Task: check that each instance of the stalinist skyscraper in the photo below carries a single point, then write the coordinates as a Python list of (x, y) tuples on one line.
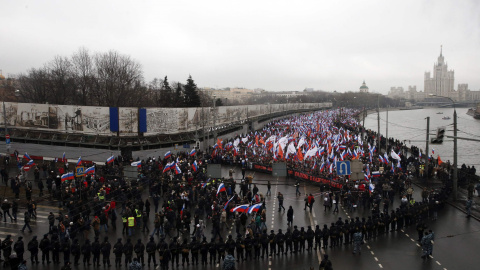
[(442, 82)]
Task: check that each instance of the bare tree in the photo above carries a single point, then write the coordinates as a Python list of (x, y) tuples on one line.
[(119, 80), (84, 75)]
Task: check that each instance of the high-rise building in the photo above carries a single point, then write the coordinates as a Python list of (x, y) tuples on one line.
[(441, 84)]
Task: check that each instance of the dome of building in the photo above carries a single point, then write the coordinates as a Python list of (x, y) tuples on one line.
[(2, 77)]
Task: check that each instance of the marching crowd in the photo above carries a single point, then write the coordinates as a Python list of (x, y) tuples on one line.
[(182, 198)]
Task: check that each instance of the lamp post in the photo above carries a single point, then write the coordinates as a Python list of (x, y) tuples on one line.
[(214, 119), (455, 168)]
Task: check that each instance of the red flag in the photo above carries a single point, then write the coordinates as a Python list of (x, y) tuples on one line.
[(439, 161), (280, 151), (300, 154)]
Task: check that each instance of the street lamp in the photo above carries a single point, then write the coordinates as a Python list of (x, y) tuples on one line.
[(7, 136), (214, 122), (455, 168)]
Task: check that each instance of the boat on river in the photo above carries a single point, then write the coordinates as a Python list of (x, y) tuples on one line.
[(439, 112), (475, 112), (446, 118)]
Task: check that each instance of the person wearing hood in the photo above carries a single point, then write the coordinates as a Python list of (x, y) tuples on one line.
[(19, 248), (118, 251), (26, 220), (55, 244), (128, 250), (33, 248)]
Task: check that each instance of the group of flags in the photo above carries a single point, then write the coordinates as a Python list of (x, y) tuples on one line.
[(246, 208)]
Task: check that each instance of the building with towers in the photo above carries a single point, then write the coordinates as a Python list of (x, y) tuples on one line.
[(364, 88), (441, 84)]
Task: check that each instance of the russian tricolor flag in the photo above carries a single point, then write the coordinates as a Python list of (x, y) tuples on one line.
[(27, 156), (371, 187), (376, 174), (110, 159), (168, 167), (193, 152), (206, 183), (221, 188), (181, 211), (90, 170), (168, 154), (241, 208), (30, 163), (67, 176), (226, 204), (137, 164), (177, 169), (254, 208), (79, 162), (195, 166)]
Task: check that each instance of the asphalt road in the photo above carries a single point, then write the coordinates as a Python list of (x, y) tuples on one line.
[(456, 237)]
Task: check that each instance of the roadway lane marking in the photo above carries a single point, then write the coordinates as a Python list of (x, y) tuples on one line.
[(368, 246), (372, 252), (418, 245), (380, 265), (270, 263), (413, 240), (375, 259), (313, 214), (319, 251), (438, 262), (407, 235)]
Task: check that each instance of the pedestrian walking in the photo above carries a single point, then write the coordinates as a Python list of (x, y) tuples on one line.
[(290, 216), (280, 202), (26, 220), (297, 189)]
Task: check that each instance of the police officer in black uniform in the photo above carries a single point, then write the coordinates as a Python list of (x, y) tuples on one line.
[(280, 239), (174, 250), (128, 251), (151, 249), (288, 241), (296, 238), (248, 247), (106, 248), (318, 237), (271, 241), (325, 236), (212, 249), (264, 241), (55, 249), (185, 249), (240, 246), (204, 250), (75, 249), (118, 251), (45, 248), (257, 245), (310, 234), (195, 248), (96, 250), (140, 251), (86, 251)]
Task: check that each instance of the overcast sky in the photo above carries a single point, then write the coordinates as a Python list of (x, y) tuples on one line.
[(274, 45)]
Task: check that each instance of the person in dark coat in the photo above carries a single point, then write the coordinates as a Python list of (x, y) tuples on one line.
[(75, 250), (33, 248), (118, 251), (19, 248), (151, 249), (86, 251), (45, 248), (96, 250), (66, 250), (106, 249), (140, 251), (128, 251)]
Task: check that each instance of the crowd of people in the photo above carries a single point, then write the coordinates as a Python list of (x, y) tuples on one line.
[(181, 198)]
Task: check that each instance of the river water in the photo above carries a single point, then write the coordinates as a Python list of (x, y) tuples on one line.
[(411, 125)]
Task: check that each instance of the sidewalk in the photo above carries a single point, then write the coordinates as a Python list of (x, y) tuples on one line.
[(461, 199)]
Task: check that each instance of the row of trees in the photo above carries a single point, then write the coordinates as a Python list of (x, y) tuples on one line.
[(103, 79)]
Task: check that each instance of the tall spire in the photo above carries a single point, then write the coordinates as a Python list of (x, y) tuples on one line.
[(441, 50)]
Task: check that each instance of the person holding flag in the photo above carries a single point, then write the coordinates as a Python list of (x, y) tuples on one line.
[(221, 188)]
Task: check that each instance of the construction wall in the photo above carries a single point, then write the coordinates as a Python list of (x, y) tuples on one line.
[(129, 121)]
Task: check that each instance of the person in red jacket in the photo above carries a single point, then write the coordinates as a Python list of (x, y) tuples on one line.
[(311, 200)]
